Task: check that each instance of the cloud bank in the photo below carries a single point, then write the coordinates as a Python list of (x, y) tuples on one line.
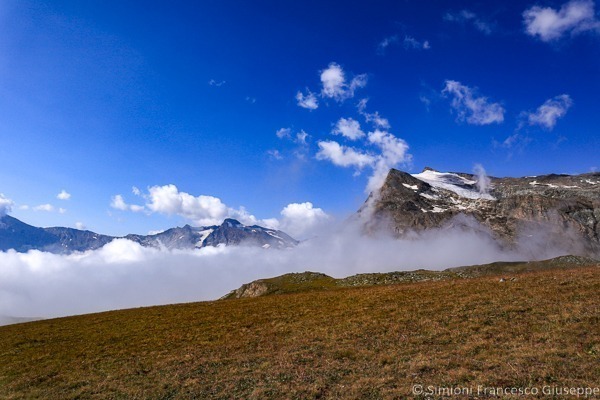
[(123, 274)]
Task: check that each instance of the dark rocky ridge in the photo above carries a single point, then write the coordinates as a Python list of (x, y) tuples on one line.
[(561, 211)]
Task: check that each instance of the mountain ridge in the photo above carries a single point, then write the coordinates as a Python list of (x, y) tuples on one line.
[(553, 211), (22, 237)]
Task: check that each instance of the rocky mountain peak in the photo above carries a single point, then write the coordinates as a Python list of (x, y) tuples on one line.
[(564, 208)]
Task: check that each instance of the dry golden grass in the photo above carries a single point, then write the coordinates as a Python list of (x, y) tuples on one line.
[(374, 342)]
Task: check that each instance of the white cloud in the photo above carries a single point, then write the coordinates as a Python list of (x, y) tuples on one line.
[(44, 207), (251, 100), (334, 83), (385, 43), (548, 24), (135, 190), (308, 101), (465, 16), (275, 154), (348, 128), (80, 225), (343, 156), (63, 195), (62, 210), (123, 274), (203, 210), (301, 137), (469, 107), (6, 205), (213, 82), (394, 151), (283, 133), (412, 43), (548, 113), (117, 202), (301, 219), (375, 118)]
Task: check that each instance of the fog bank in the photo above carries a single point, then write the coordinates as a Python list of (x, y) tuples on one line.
[(123, 274)]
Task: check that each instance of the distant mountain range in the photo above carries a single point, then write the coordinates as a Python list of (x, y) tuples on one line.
[(17, 235)]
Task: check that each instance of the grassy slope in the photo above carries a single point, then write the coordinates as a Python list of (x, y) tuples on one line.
[(370, 342), (314, 281)]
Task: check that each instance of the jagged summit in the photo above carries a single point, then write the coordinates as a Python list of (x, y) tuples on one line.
[(565, 208), (22, 237)]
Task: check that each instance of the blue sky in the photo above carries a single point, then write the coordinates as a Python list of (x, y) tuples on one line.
[(183, 102)]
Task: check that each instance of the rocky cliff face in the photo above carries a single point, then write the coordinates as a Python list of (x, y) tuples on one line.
[(561, 211)]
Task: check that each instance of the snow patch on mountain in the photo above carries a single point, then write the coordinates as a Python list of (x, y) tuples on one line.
[(455, 183)]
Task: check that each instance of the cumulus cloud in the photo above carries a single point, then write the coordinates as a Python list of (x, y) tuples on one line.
[(308, 100), (470, 107), (548, 24), (44, 207), (302, 219), (343, 156), (80, 225), (335, 86), (548, 113), (466, 16), (6, 205), (348, 128), (63, 195), (203, 210)]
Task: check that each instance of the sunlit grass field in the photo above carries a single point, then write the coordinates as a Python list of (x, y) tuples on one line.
[(542, 329)]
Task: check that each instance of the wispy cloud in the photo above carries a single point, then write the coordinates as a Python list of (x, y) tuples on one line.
[(283, 133), (409, 43), (466, 16), (548, 113), (373, 117), (44, 207), (385, 43), (213, 82), (412, 43), (548, 24), (308, 100), (275, 154), (470, 107)]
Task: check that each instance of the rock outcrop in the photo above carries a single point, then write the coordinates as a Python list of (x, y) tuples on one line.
[(561, 211)]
